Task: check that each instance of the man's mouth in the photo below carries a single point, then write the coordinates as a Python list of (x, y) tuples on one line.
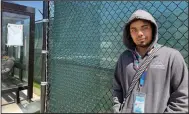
[(141, 39)]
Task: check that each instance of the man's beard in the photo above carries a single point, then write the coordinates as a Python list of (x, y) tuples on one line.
[(144, 44)]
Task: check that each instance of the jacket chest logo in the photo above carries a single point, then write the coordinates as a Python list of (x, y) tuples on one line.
[(157, 64)]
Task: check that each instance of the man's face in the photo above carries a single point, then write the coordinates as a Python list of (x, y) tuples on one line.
[(141, 33)]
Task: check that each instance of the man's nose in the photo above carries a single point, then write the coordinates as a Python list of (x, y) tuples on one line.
[(140, 33)]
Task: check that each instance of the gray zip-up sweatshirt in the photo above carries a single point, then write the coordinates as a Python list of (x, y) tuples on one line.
[(166, 83)]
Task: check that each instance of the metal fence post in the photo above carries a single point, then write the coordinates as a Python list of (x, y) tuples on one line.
[(44, 54)]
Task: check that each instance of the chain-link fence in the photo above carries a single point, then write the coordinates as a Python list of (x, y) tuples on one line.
[(86, 40)]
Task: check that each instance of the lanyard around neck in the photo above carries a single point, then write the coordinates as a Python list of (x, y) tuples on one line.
[(136, 67), (136, 61), (143, 77)]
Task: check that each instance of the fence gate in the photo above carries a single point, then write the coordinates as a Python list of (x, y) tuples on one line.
[(85, 42)]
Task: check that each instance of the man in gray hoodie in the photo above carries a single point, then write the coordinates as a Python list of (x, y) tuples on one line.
[(165, 86)]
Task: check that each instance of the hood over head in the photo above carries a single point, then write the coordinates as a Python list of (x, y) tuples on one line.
[(144, 15)]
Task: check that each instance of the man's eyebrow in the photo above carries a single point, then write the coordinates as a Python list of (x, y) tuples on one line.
[(133, 28), (144, 25)]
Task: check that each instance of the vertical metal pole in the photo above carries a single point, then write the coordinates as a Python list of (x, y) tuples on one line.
[(21, 56), (44, 54)]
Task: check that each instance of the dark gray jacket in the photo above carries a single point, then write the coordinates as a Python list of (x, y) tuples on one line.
[(166, 84)]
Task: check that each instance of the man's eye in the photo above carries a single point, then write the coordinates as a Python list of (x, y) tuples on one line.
[(145, 27), (133, 30)]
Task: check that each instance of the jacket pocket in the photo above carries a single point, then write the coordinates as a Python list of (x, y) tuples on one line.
[(126, 110)]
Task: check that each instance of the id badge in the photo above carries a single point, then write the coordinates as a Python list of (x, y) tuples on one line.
[(139, 102)]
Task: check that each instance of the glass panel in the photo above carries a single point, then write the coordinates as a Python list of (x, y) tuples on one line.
[(20, 53)]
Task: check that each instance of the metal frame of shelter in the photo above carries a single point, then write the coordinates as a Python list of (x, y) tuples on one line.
[(22, 85)]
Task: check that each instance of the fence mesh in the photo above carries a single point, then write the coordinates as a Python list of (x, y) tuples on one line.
[(85, 42)]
